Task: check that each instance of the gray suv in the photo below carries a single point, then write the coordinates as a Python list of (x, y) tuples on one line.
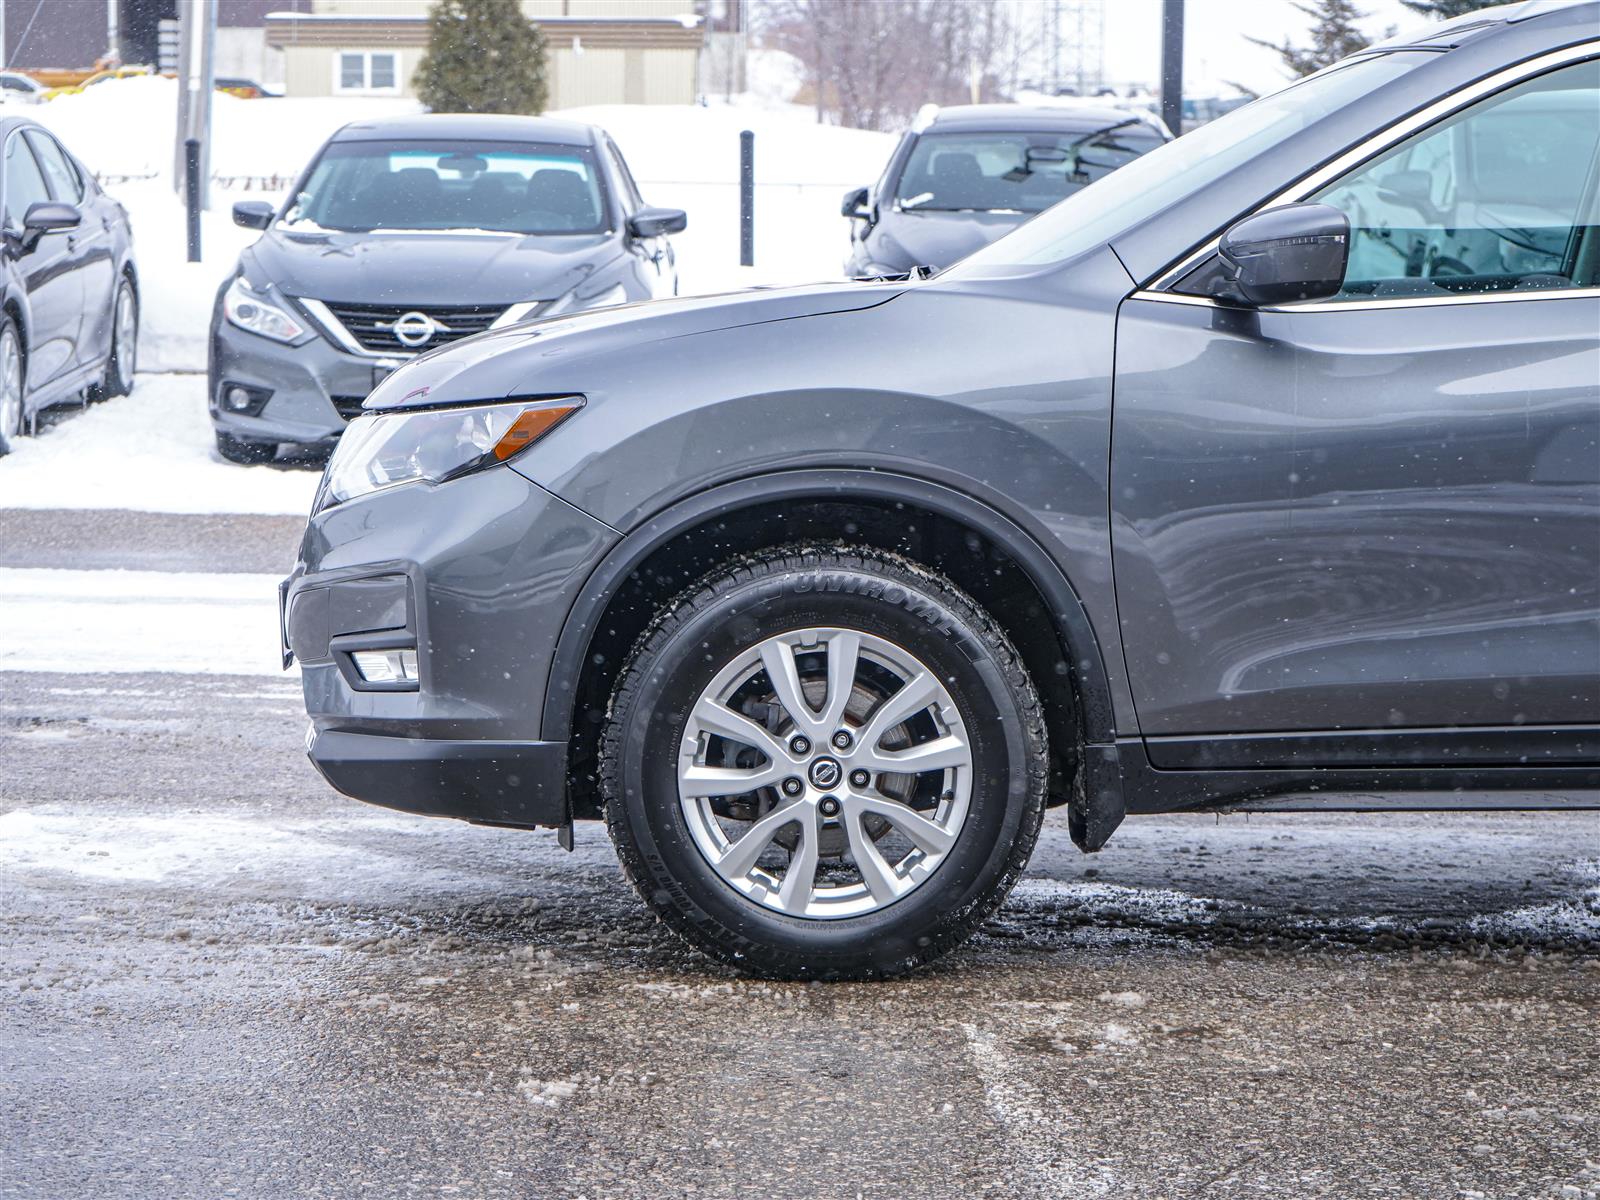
[(1263, 472), (406, 234)]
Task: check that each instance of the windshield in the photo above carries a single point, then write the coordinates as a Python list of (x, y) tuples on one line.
[(509, 187), (1179, 168), (1015, 172)]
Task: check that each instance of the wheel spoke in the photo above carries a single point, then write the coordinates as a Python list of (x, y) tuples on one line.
[(878, 875), (742, 854), (721, 720), (947, 751), (844, 650), (794, 895), (699, 782), (778, 657), (919, 692), (926, 835)]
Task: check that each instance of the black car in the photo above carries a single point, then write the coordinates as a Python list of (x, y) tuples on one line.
[(962, 177), (68, 288), (406, 234)]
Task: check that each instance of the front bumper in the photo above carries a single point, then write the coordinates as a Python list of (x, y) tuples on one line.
[(490, 783), (478, 574), (316, 387)]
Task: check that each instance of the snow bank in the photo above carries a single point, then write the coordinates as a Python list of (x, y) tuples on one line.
[(139, 621), (152, 451)]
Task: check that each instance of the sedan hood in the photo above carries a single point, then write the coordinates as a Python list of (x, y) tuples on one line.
[(939, 239), (424, 268), (561, 356)]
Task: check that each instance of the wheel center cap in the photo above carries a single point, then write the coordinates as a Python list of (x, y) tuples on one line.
[(826, 773)]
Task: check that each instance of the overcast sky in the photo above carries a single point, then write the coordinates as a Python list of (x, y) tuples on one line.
[(1215, 33)]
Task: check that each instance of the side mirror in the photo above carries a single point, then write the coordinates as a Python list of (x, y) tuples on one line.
[(49, 217), (656, 222), (855, 205), (1292, 252), (42, 217), (253, 214)]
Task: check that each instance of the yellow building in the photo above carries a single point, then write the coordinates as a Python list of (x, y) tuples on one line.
[(600, 51)]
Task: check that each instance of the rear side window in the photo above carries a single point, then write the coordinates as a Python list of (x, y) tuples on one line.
[(24, 182), (58, 168), (1500, 197)]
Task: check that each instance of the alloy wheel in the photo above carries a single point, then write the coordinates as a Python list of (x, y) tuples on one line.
[(10, 386), (825, 773)]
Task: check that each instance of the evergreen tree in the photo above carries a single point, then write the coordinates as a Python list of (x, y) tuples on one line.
[(1333, 36), (1443, 10), (483, 57)]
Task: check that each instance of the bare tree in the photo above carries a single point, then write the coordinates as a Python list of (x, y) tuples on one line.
[(873, 63)]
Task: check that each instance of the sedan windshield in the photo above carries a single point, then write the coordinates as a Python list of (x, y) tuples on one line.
[(508, 187), (1180, 168), (1015, 172)]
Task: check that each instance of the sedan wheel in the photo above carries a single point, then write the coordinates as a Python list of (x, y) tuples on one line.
[(10, 386), (824, 763), (123, 361)]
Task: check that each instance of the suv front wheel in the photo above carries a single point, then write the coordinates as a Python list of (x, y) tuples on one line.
[(824, 763)]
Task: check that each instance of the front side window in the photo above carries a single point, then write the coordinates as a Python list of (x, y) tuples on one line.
[(24, 182), (63, 175), (1500, 197), (367, 71), (508, 187), (1015, 172)]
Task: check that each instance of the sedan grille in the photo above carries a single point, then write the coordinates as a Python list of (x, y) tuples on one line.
[(406, 329)]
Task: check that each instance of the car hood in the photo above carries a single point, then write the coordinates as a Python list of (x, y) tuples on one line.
[(938, 239), (561, 356), (424, 268)]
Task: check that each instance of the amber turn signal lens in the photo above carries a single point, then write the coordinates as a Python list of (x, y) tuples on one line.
[(532, 425)]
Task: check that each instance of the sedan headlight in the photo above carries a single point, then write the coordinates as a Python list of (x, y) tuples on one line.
[(384, 450), (251, 311)]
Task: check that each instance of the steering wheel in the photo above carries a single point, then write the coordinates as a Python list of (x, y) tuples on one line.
[(1444, 264)]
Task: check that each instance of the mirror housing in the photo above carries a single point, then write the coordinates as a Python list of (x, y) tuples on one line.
[(657, 222), (855, 205), (253, 214), (1292, 252), (42, 217)]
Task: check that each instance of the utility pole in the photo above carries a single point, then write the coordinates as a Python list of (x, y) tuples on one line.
[(1172, 65), (113, 34)]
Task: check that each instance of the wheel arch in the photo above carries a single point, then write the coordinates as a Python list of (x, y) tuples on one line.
[(989, 555)]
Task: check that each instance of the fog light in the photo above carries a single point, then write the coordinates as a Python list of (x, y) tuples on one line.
[(242, 399), (386, 666)]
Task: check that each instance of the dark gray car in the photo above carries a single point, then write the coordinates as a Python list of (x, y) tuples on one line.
[(406, 234), (1265, 471), (962, 177)]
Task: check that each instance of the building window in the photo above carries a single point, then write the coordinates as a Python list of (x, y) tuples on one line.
[(372, 71)]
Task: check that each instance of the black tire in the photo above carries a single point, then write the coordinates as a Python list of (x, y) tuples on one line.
[(12, 406), (123, 359), (246, 453), (800, 588)]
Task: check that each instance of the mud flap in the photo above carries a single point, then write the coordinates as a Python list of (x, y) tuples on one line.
[(1096, 807)]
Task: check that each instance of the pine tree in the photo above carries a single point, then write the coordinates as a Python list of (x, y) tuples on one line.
[(483, 57), (1443, 10), (1333, 36)]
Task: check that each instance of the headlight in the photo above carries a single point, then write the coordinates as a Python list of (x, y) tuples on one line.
[(384, 450), (249, 310), (572, 302)]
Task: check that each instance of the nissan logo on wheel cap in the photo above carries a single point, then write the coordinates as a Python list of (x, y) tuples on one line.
[(414, 328), (825, 773)]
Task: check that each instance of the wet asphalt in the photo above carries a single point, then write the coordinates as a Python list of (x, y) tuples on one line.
[(221, 979)]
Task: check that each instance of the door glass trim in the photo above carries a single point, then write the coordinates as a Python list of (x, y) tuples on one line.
[(1308, 306), (1375, 145)]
